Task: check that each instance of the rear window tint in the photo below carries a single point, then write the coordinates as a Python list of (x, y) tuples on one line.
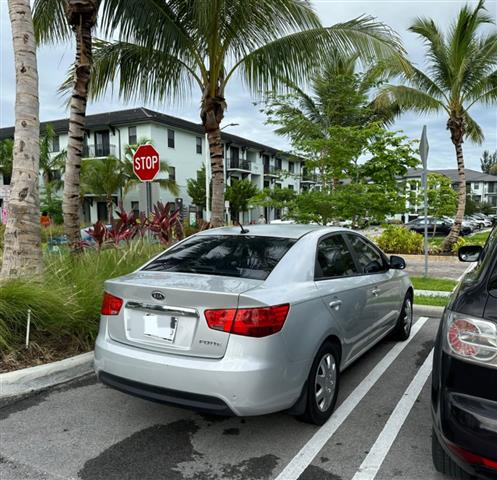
[(226, 255)]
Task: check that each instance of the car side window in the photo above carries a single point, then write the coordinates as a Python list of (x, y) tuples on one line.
[(369, 259), (334, 259)]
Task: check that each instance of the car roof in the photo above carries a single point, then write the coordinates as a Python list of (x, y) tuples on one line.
[(273, 230)]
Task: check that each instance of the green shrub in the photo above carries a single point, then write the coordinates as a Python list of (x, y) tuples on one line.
[(65, 302), (395, 239)]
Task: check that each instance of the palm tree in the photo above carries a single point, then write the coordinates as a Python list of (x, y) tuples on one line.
[(461, 72), (166, 48), (53, 20), (22, 244), (51, 165)]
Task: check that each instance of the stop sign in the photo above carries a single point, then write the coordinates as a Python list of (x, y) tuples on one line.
[(146, 163)]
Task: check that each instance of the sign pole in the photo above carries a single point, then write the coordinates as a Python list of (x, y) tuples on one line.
[(423, 151), (148, 194), (207, 180)]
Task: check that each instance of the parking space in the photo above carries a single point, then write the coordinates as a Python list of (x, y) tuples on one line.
[(381, 429)]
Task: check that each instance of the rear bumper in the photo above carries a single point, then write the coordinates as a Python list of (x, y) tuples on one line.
[(464, 408), (243, 382)]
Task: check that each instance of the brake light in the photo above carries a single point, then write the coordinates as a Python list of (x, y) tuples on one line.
[(111, 305), (250, 322), (472, 457), (471, 338)]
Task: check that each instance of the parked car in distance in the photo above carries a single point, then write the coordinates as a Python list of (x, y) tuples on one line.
[(251, 322), (437, 226), (464, 378)]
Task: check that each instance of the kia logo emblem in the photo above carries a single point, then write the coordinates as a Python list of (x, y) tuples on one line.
[(158, 295)]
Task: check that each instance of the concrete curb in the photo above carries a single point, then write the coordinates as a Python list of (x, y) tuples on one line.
[(432, 293), (428, 311), (28, 380)]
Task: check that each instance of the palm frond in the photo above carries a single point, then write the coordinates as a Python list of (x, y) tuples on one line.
[(49, 21), (473, 130), (405, 98)]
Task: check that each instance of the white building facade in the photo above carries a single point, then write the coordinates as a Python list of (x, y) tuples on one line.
[(182, 145)]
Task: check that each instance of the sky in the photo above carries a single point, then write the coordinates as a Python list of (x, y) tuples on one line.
[(54, 61)]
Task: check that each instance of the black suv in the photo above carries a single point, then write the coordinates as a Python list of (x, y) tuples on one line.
[(464, 381)]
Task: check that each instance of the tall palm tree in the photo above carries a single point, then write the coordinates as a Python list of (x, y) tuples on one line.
[(53, 20), (461, 72), (22, 244), (166, 47)]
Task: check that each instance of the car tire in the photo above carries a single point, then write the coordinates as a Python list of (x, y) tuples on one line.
[(402, 330), (322, 385), (444, 464)]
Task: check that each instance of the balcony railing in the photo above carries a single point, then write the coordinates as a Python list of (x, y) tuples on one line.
[(95, 151), (309, 178), (237, 164), (270, 170)]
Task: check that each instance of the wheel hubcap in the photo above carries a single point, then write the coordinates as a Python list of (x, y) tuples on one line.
[(325, 383), (407, 316)]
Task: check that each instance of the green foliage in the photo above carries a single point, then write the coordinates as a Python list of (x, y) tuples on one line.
[(396, 239), (431, 301), (471, 206), (196, 188), (65, 302), (486, 208), (488, 162), (274, 198), (434, 284), (493, 170), (239, 194), (52, 204), (442, 198), (6, 158)]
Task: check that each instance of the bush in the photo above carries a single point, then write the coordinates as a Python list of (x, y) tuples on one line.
[(65, 302), (395, 239)]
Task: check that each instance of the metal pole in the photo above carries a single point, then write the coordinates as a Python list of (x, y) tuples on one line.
[(207, 181), (423, 151), (148, 194), (28, 327)]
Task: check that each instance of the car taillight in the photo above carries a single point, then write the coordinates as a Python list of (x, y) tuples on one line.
[(472, 457), (250, 322), (111, 305), (471, 338)]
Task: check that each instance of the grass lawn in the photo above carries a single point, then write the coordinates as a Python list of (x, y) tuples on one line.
[(432, 301), (438, 284), (476, 238)]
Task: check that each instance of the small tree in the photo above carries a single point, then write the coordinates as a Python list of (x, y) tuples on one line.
[(195, 187), (493, 170), (239, 195), (488, 161)]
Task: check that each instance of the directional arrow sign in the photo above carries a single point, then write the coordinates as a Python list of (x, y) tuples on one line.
[(424, 148)]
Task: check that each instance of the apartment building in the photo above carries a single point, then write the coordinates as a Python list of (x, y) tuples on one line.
[(182, 144)]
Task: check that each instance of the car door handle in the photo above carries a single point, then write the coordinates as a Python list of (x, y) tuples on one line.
[(375, 291), (335, 304)]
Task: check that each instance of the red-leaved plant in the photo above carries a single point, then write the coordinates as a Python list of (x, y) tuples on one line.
[(165, 223)]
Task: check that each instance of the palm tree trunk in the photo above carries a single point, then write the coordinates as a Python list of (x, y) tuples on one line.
[(22, 245), (82, 17), (212, 113), (110, 209), (451, 239)]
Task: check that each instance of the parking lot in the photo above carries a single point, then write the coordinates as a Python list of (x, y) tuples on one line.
[(381, 429)]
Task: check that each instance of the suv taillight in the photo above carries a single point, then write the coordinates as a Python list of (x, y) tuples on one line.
[(250, 322), (111, 305), (470, 338)]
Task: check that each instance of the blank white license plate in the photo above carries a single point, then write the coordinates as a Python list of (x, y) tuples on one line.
[(160, 326)]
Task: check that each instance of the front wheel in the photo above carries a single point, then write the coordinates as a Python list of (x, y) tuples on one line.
[(402, 330), (322, 385)]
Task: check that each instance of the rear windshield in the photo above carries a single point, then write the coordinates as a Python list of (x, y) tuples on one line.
[(227, 255)]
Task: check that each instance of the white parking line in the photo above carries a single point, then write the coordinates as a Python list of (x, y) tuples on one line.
[(309, 451), (373, 461)]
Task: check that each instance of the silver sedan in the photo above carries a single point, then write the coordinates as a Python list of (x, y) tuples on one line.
[(251, 322)]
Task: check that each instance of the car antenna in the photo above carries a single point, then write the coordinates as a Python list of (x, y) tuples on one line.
[(242, 229)]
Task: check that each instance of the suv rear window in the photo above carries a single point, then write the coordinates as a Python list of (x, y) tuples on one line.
[(226, 255)]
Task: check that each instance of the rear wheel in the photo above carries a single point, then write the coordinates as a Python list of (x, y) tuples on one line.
[(444, 464), (402, 330), (322, 385)]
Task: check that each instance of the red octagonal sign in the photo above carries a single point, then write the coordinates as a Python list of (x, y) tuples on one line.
[(146, 163)]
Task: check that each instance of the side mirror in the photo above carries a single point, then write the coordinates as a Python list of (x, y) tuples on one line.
[(397, 263), (470, 253)]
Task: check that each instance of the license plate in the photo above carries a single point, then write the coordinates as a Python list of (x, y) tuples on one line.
[(160, 326)]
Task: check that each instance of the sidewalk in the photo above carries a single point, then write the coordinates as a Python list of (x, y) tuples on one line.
[(438, 266)]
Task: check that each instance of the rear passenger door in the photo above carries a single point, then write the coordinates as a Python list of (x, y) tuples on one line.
[(383, 289), (340, 286)]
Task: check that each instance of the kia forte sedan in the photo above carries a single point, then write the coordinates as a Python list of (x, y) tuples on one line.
[(251, 321), (464, 380)]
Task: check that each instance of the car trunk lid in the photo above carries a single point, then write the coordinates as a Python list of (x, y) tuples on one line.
[(164, 311)]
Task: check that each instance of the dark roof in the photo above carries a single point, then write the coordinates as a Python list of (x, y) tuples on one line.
[(471, 175), (141, 115)]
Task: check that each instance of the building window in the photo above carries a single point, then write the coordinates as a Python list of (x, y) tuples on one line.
[(278, 164), (291, 167), (135, 206), (199, 144), (172, 173), (291, 187), (170, 138), (266, 183), (55, 144), (476, 186), (132, 136)]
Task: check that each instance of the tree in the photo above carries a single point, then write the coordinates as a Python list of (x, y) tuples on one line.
[(53, 20), (493, 170), (22, 245), (461, 72), (239, 194), (195, 187), (6, 159), (488, 161), (175, 45)]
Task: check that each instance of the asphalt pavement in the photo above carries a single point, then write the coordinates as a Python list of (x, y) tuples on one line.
[(83, 430)]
